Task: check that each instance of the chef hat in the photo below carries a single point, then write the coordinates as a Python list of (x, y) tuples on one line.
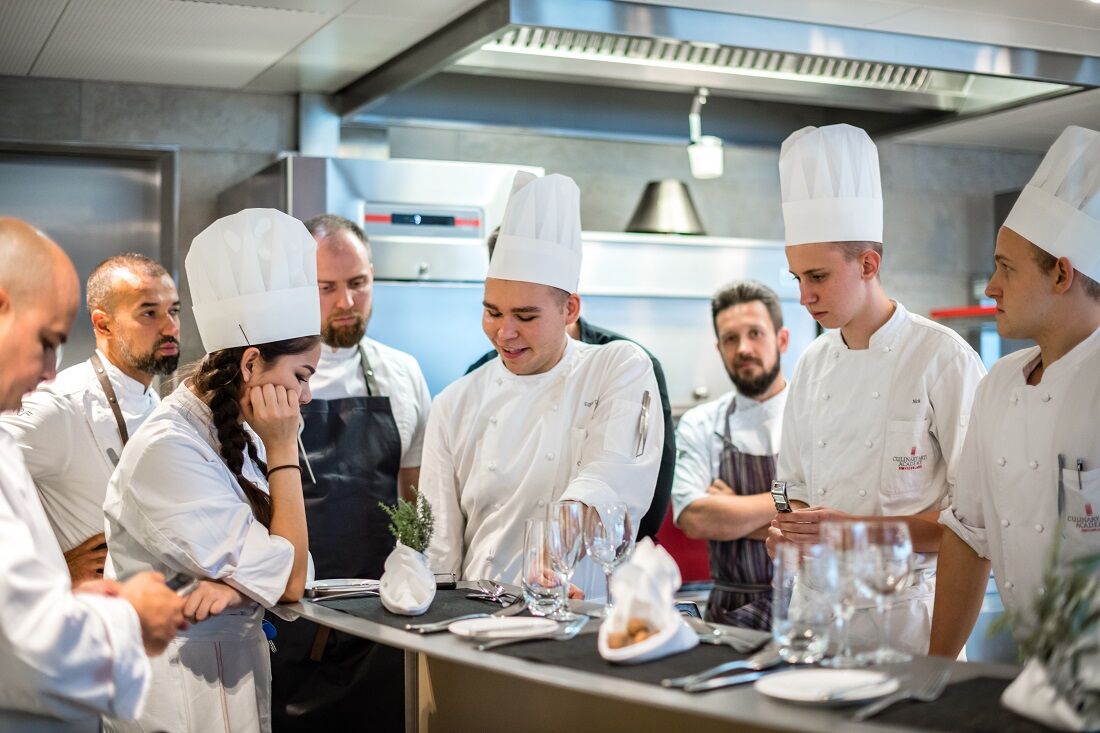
[(831, 188), (253, 280), (540, 236), (1059, 211)]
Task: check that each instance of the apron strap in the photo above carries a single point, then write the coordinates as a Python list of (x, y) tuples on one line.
[(368, 373), (109, 391)]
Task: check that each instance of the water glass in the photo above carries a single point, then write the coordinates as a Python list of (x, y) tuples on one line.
[(565, 523), (542, 584), (608, 538), (802, 622), (889, 569), (848, 540)]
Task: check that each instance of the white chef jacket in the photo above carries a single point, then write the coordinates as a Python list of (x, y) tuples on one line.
[(65, 658), (174, 506), (878, 431), (398, 376), (68, 434), (754, 429), (501, 447), (1006, 503)]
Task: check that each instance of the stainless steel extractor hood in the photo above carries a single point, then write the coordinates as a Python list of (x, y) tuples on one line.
[(641, 46)]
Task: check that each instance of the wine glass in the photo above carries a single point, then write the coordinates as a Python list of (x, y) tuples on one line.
[(608, 538), (850, 545), (542, 585), (888, 570), (803, 620), (565, 539)]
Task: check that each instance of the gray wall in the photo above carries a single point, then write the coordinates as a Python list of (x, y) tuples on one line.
[(938, 200), (222, 138)]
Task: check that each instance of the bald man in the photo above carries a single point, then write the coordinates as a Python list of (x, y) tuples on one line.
[(66, 655), (72, 430)]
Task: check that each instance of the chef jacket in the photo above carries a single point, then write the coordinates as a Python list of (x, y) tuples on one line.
[(70, 443), (500, 448), (64, 657), (1006, 503), (398, 376), (878, 432), (754, 430)]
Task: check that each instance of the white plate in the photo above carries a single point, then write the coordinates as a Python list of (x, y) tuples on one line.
[(349, 583), (509, 627), (815, 686)]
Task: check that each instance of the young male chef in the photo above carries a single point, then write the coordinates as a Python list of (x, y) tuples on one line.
[(72, 430), (1030, 468), (552, 419), (726, 459), (877, 407), (364, 431), (67, 655)]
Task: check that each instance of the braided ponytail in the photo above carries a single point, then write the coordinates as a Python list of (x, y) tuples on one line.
[(217, 380)]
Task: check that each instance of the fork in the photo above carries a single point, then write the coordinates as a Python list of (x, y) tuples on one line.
[(927, 691), (571, 629), (715, 634)]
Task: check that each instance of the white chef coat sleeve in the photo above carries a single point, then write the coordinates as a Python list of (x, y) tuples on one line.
[(422, 406), (952, 398), (964, 514), (789, 466), (42, 429), (609, 471), (692, 476), (440, 486), (179, 506), (81, 648)]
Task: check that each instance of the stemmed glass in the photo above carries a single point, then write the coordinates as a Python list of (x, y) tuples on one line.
[(889, 567), (608, 538), (850, 546), (565, 539), (541, 583)]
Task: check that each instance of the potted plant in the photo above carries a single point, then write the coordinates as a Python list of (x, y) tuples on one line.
[(408, 584)]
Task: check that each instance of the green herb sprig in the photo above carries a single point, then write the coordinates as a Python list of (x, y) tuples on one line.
[(411, 522)]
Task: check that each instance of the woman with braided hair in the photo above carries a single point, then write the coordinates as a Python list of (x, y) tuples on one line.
[(210, 485)]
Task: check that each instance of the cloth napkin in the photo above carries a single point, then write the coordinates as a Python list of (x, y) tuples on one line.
[(1032, 696), (407, 586), (644, 588)]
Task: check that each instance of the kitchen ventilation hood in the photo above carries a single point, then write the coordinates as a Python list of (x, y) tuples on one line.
[(641, 46)]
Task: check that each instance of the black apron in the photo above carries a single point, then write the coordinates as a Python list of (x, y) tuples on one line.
[(741, 569), (326, 679)]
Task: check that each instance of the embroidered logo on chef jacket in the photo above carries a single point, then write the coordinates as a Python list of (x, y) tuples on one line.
[(911, 462), (1086, 522)]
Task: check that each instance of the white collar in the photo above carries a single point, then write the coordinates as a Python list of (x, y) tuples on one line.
[(125, 385), (561, 369)]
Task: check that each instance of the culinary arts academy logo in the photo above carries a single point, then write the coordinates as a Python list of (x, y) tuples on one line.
[(1088, 522), (911, 462)]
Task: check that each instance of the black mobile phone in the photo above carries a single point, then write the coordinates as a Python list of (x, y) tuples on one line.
[(779, 496), (445, 581), (689, 608), (182, 583)]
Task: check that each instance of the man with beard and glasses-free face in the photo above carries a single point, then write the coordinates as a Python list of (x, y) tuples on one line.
[(363, 436), (726, 455), (553, 419), (878, 404), (72, 430)]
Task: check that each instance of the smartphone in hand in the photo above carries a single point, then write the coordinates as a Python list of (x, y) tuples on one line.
[(182, 583)]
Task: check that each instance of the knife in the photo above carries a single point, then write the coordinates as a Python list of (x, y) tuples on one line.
[(643, 425), (729, 681)]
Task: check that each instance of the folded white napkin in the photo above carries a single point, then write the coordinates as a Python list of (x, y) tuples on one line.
[(643, 591), (1032, 696), (407, 585)]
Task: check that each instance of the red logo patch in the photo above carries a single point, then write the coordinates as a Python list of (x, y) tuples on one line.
[(1088, 509), (913, 451)]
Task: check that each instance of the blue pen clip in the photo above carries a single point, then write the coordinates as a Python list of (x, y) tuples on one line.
[(270, 632)]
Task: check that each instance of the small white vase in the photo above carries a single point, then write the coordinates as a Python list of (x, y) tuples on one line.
[(408, 585)]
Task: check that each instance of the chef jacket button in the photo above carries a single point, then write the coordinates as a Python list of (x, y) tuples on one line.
[(554, 408), (1039, 528), (821, 444), (1033, 464), (869, 443), (1001, 461), (1009, 585), (499, 381), (826, 397), (541, 503), (863, 492), (836, 354), (493, 420), (1046, 397), (549, 456), (823, 491), (1005, 522), (887, 349), (875, 395), (488, 558), (492, 467), (1014, 398)]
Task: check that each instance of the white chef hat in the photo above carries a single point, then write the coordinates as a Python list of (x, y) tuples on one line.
[(253, 280), (1059, 210), (831, 189), (540, 236)]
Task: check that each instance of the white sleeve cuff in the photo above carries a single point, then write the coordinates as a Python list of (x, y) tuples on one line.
[(974, 536), (263, 567), (130, 669)]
